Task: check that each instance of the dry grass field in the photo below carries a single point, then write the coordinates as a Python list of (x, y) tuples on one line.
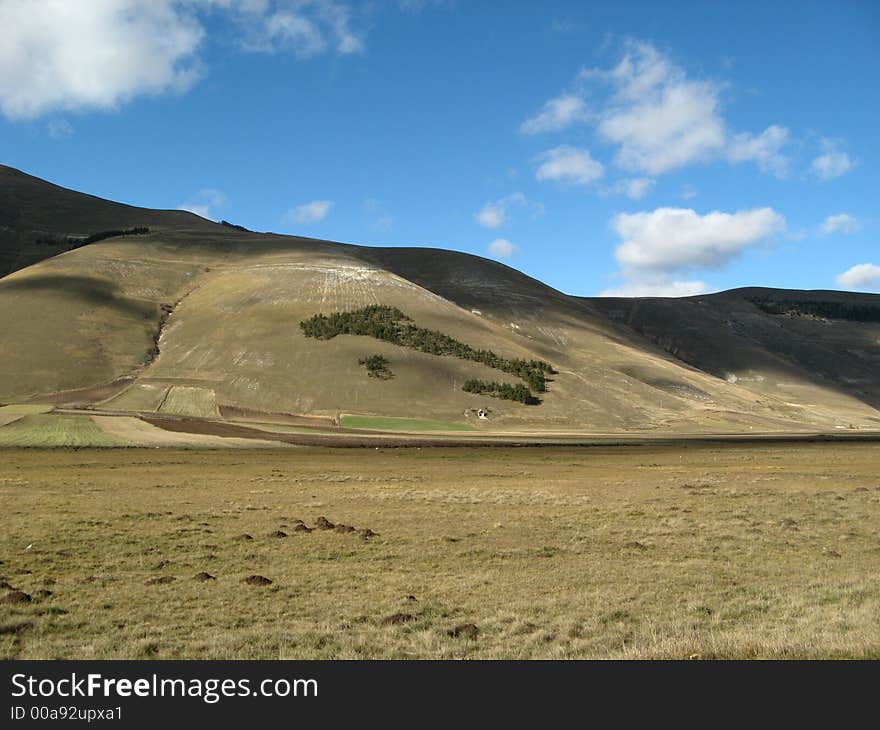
[(631, 552)]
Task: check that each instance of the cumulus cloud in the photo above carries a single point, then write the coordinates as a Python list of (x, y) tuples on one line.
[(570, 165), (679, 126), (312, 212), (204, 202), (670, 239), (658, 247), (832, 164), (657, 117), (501, 248), (840, 223), (861, 276), (496, 213), (60, 55), (558, 113), (64, 55)]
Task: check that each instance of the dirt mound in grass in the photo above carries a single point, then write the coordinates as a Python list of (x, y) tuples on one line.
[(322, 523), (302, 528), (16, 597), (367, 533), (344, 529), (203, 577), (257, 580), (159, 581), (464, 631), (278, 533)]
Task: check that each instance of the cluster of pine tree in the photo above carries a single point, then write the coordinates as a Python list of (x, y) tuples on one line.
[(95, 237), (501, 390), (236, 227), (391, 325), (377, 367), (830, 310), (72, 243)]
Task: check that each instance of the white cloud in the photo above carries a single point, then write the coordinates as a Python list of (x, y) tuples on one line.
[(861, 276), (557, 114), (572, 165), (840, 223), (657, 287), (495, 214), (204, 202), (673, 239), (658, 247), (658, 118), (312, 212), (59, 129), (676, 127), (832, 165), (501, 248), (61, 55), (765, 149)]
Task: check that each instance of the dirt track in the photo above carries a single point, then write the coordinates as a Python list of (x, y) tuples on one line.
[(354, 439)]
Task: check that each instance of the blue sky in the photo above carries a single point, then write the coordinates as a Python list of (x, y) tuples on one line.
[(618, 147)]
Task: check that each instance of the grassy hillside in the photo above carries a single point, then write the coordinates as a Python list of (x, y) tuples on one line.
[(194, 317)]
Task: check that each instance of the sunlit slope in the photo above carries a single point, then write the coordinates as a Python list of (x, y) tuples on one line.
[(90, 316), (83, 318)]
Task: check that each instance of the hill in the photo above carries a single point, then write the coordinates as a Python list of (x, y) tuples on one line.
[(193, 318)]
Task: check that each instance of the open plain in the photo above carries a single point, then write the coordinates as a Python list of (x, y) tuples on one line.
[(687, 551)]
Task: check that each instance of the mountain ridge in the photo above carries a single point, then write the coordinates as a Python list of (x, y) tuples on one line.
[(220, 309)]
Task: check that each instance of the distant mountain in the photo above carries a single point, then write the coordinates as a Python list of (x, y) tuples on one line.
[(198, 318)]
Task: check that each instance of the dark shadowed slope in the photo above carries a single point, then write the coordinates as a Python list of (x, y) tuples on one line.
[(36, 218), (771, 340)]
